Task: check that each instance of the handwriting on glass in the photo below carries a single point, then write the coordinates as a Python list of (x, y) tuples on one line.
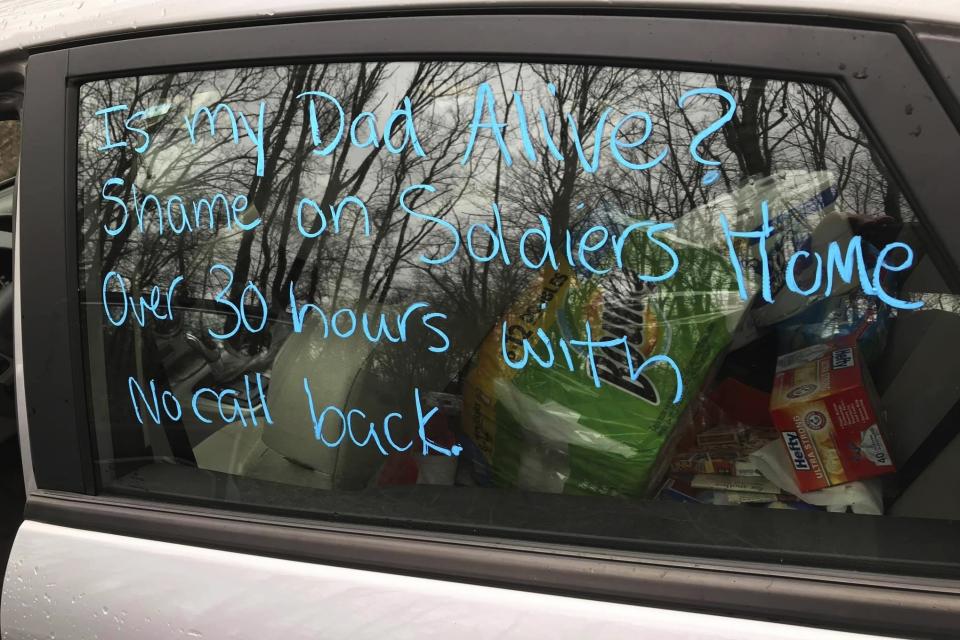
[(596, 250)]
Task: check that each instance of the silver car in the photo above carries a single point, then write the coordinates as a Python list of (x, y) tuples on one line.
[(480, 319)]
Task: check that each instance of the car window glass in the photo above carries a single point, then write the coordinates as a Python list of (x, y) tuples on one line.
[(9, 160), (518, 295)]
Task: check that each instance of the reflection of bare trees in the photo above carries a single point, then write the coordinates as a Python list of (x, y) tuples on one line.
[(779, 126), (261, 192)]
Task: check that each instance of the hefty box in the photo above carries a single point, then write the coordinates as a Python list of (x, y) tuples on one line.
[(821, 405)]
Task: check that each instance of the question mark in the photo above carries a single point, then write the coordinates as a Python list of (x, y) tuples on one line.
[(713, 175)]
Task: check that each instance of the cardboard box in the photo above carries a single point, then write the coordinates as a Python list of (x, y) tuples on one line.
[(822, 406)]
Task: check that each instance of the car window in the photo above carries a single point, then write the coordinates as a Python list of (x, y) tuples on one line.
[(9, 159), (9, 148), (509, 297)]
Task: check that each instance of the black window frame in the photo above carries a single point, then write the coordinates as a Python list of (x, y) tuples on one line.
[(871, 67)]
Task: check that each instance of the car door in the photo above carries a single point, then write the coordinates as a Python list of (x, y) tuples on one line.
[(486, 325)]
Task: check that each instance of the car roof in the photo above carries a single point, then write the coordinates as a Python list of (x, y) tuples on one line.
[(44, 23)]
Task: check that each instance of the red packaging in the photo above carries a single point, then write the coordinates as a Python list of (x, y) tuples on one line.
[(704, 461), (821, 405)]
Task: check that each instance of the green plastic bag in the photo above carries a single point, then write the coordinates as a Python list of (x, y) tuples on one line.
[(551, 428)]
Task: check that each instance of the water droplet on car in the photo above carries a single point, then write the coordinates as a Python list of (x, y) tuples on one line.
[(908, 109), (861, 75)]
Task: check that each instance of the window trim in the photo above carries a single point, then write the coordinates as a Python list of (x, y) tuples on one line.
[(60, 433)]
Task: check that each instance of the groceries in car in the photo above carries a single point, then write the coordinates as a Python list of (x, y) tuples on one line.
[(582, 420), (770, 402), (597, 419), (823, 406)]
